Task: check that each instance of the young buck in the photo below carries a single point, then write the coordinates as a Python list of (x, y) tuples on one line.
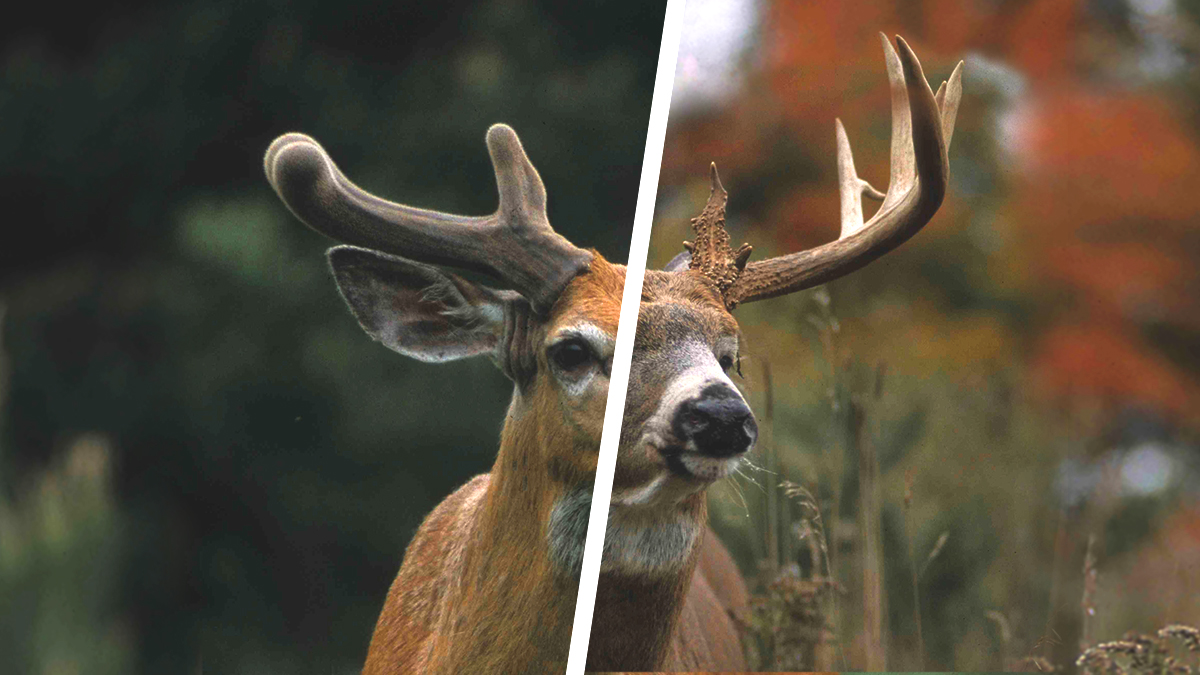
[(659, 602), (489, 581)]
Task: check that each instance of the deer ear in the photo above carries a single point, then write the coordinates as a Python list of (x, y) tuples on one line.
[(679, 262), (419, 310)]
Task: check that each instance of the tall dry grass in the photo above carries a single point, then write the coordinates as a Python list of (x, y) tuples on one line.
[(892, 523)]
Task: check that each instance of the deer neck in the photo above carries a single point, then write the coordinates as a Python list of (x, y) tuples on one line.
[(514, 601), (636, 615)]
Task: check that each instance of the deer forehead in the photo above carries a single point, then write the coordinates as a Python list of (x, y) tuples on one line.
[(679, 308), (592, 299)]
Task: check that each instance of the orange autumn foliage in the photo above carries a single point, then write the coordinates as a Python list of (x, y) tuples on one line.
[(1089, 158), (1040, 38), (806, 217), (1104, 203), (1134, 280), (1109, 363), (1095, 213)]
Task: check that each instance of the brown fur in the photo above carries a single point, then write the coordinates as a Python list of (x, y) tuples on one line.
[(674, 623), (477, 591), (680, 621)]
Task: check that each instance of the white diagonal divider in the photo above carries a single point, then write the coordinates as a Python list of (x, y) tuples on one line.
[(643, 217)]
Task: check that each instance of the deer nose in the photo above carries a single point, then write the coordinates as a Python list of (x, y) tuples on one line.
[(718, 422)]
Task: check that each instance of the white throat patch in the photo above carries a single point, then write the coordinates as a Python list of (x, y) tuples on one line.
[(567, 531), (648, 544), (642, 544)]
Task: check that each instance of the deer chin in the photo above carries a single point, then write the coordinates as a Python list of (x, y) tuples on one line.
[(707, 470), (672, 474), (686, 463), (650, 533)]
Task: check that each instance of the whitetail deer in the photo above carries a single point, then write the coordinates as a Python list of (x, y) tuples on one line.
[(489, 581), (662, 589)]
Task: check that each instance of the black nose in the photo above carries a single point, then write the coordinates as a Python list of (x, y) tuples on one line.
[(718, 422)]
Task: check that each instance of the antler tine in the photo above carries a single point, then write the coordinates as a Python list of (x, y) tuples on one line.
[(949, 95), (902, 170), (921, 129), (851, 187), (902, 174), (515, 244)]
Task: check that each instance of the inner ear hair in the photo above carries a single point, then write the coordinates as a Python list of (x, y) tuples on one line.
[(679, 262), (419, 310)]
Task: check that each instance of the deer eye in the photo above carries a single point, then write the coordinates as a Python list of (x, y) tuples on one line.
[(570, 354), (726, 362)]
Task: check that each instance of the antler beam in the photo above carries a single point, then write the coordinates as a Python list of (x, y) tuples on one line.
[(515, 244), (922, 125)]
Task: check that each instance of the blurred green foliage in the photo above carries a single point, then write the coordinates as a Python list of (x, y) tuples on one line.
[(60, 555), (268, 461)]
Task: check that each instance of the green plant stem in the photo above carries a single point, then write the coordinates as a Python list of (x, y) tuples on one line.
[(916, 589)]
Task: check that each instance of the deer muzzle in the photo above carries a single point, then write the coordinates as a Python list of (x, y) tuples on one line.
[(717, 423)]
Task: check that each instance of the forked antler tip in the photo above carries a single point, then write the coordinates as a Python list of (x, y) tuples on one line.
[(948, 97)]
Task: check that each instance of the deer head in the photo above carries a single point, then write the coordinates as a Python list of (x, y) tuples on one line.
[(490, 579), (686, 424)]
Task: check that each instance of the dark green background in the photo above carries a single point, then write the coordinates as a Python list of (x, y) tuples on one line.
[(269, 463)]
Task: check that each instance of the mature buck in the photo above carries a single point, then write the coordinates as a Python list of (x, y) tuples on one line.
[(489, 582), (658, 605)]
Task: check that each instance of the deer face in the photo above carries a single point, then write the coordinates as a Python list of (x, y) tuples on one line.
[(691, 418), (685, 424), (572, 355), (552, 334)]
